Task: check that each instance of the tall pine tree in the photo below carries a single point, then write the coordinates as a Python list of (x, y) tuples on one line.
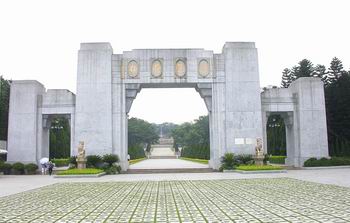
[(286, 78)]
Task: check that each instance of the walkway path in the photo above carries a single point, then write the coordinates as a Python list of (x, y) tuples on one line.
[(15, 184), (167, 164)]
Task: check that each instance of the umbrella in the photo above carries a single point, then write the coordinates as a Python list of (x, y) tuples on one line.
[(44, 160), (2, 151)]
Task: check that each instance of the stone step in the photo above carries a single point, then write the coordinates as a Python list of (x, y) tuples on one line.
[(162, 157), (180, 170)]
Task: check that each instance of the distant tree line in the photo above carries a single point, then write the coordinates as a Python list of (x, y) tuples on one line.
[(141, 134), (337, 96), (4, 107), (193, 138)]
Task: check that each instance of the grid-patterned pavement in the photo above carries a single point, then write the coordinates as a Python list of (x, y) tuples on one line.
[(250, 200)]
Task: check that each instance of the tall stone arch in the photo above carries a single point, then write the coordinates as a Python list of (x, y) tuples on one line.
[(108, 82)]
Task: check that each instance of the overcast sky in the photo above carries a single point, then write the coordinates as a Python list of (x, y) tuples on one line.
[(40, 39)]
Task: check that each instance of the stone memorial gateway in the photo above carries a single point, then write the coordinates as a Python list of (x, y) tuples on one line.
[(108, 83)]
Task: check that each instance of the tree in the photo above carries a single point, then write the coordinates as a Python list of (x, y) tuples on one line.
[(320, 71), (304, 69), (4, 107), (59, 138), (194, 138), (336, 70), (286, 78), (141, 132)]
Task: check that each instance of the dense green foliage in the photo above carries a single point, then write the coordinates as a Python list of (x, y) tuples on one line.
[(337, 95), (4, 107), (5, 168), (73, 160), (110, 159), (257, 168), (80, 171), (140, 134), (276, 135), (333, 161), (93, 160), (59, 138), (228, 161), (136, 152), (31, 168), (196, 152), (193, 138), (18, 168), (60, 162), (277, 159)]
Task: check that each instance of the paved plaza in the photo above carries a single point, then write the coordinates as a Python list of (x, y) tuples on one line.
[(167, 164), (244, 200)]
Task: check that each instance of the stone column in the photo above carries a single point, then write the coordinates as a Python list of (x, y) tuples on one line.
[(310, 126), (242, 97), (23, 126), (93, 112)]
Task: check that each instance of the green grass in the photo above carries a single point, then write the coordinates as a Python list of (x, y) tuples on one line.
[(202, 161), (255, 168), (61, 162), (80, 171), (136, 160), (277, 159)]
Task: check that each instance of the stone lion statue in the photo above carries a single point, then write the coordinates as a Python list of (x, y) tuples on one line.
[(81, 150), (259, 147)]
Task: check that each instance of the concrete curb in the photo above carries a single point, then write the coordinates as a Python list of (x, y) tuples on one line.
[(255, 171), (324, 167), (80, 175)]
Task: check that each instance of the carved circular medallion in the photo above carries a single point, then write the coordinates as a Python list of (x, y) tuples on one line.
[(133, 68), (180, 68), (157, 68), (203, 68)]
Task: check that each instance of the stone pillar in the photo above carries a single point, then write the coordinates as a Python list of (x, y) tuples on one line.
[(23, 126), (310, 126), (93, 113), (243, 118)]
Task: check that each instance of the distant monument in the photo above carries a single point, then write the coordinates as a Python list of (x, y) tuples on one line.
[(259, 153), (81, 159)]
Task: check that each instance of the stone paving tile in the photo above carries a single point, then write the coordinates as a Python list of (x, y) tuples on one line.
[(248, 200)]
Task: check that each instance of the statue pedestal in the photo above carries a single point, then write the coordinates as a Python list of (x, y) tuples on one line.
[(259, 160), (81, 163)]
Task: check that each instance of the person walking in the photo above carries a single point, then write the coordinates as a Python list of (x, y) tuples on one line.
[(50, 167)]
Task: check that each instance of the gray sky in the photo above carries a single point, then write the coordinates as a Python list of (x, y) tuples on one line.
[(39, 39)]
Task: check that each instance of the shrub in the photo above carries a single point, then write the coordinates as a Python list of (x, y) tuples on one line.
[(18, 168), (244, 159), (114, 169), (277, 159), (61, 162), (136, 151), (110, 159), (6, 168), (93, 160), (228, 161), (73, 160), (196, 152), (333, 161), (31, 168)]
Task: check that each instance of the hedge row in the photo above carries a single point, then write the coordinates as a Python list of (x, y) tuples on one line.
[(333, 161), (18, 168), (196, 152)]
